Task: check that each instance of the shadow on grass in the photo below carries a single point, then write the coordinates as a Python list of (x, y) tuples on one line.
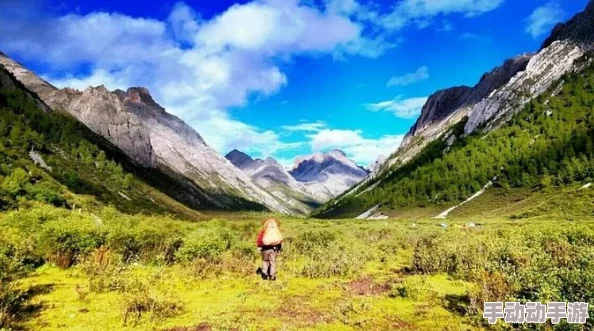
[(18, 307), (458, 304)]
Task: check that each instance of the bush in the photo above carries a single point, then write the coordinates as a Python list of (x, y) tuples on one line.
[(105, 273), (139, 301), (66, 242), (339, 259), (207, 245)]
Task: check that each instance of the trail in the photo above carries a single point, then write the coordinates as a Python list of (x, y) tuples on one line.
[(368, 213), (445, 214)]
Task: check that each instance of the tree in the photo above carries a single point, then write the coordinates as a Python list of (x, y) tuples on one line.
[(15, 182)]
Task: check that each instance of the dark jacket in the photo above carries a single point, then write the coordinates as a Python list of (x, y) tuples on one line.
[(277, 248)]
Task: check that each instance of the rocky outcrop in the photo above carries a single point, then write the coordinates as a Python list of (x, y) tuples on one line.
[(151, 137), (105, 114), (376, 166), (578, 30), (239, 159), (327, 175), (542, 70), (447, 107)]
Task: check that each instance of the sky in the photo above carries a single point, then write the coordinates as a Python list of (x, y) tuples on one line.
[(280, 78)]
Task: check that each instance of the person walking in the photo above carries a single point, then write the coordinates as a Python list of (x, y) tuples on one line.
[(270, 243)]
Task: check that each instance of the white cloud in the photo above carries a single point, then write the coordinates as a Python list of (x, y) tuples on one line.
[(404, 108), (305, 127), (362, 150), (198, 69), (447, 26), (327, 138), (419, 75), (195, 68), (543, 19), (420, 12), (347, 7)]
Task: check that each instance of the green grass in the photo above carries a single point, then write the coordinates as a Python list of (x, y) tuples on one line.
[(406, 277)]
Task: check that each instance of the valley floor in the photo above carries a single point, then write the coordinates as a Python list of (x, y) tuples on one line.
[(334, 275)]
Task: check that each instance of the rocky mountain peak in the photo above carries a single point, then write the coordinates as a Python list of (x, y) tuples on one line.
[(138, 95), (579, 29), (337, 153), (239, 159), (319, 167)]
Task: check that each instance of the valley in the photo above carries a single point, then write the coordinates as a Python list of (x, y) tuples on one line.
[(116, 214)]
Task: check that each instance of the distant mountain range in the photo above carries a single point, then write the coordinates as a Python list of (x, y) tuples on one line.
[(313, 180)]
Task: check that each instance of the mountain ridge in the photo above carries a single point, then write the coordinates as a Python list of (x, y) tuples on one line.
[(153, 138), (310, 188), (491, 103)]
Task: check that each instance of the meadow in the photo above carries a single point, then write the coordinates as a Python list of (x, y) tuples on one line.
[(64, 269)]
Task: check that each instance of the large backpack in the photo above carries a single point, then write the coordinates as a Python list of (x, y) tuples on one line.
[(270, 234)]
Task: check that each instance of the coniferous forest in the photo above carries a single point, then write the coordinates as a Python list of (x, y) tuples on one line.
[(550, 143)]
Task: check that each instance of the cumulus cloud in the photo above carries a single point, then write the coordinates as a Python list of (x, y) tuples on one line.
[(401, 107), (420, 74), (327, 138), (362, 150), (543, 19), (196, 68)]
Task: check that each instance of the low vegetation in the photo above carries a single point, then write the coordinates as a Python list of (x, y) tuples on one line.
[(63, 269)]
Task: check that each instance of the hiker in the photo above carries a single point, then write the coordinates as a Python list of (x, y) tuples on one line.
[(269, 243)]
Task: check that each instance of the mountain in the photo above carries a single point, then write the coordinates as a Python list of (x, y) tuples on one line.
[(154, 139), (50, 157), (273, 177), (327, 175), (376, 166), (451, 119)]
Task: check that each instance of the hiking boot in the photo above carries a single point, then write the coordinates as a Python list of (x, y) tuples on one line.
[(272, 278)]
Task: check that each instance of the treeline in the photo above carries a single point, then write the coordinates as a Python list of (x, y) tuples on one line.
[(549, 143)]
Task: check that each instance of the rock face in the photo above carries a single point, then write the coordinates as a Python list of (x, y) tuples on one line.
[(272, 176), (504, 90), (327, 175), (447, 107), (579, 29), (151, 137), (376, 166), (542, 70)]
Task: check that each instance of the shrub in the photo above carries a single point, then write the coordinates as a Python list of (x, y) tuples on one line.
[(104, 272), (140, 301), (66, 242), (208, 245), (339, 259), (408, 288)]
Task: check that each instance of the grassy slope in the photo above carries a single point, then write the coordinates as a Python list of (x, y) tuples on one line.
[(83, 184)]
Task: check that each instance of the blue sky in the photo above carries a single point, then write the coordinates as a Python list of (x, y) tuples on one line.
[(280, 78)]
